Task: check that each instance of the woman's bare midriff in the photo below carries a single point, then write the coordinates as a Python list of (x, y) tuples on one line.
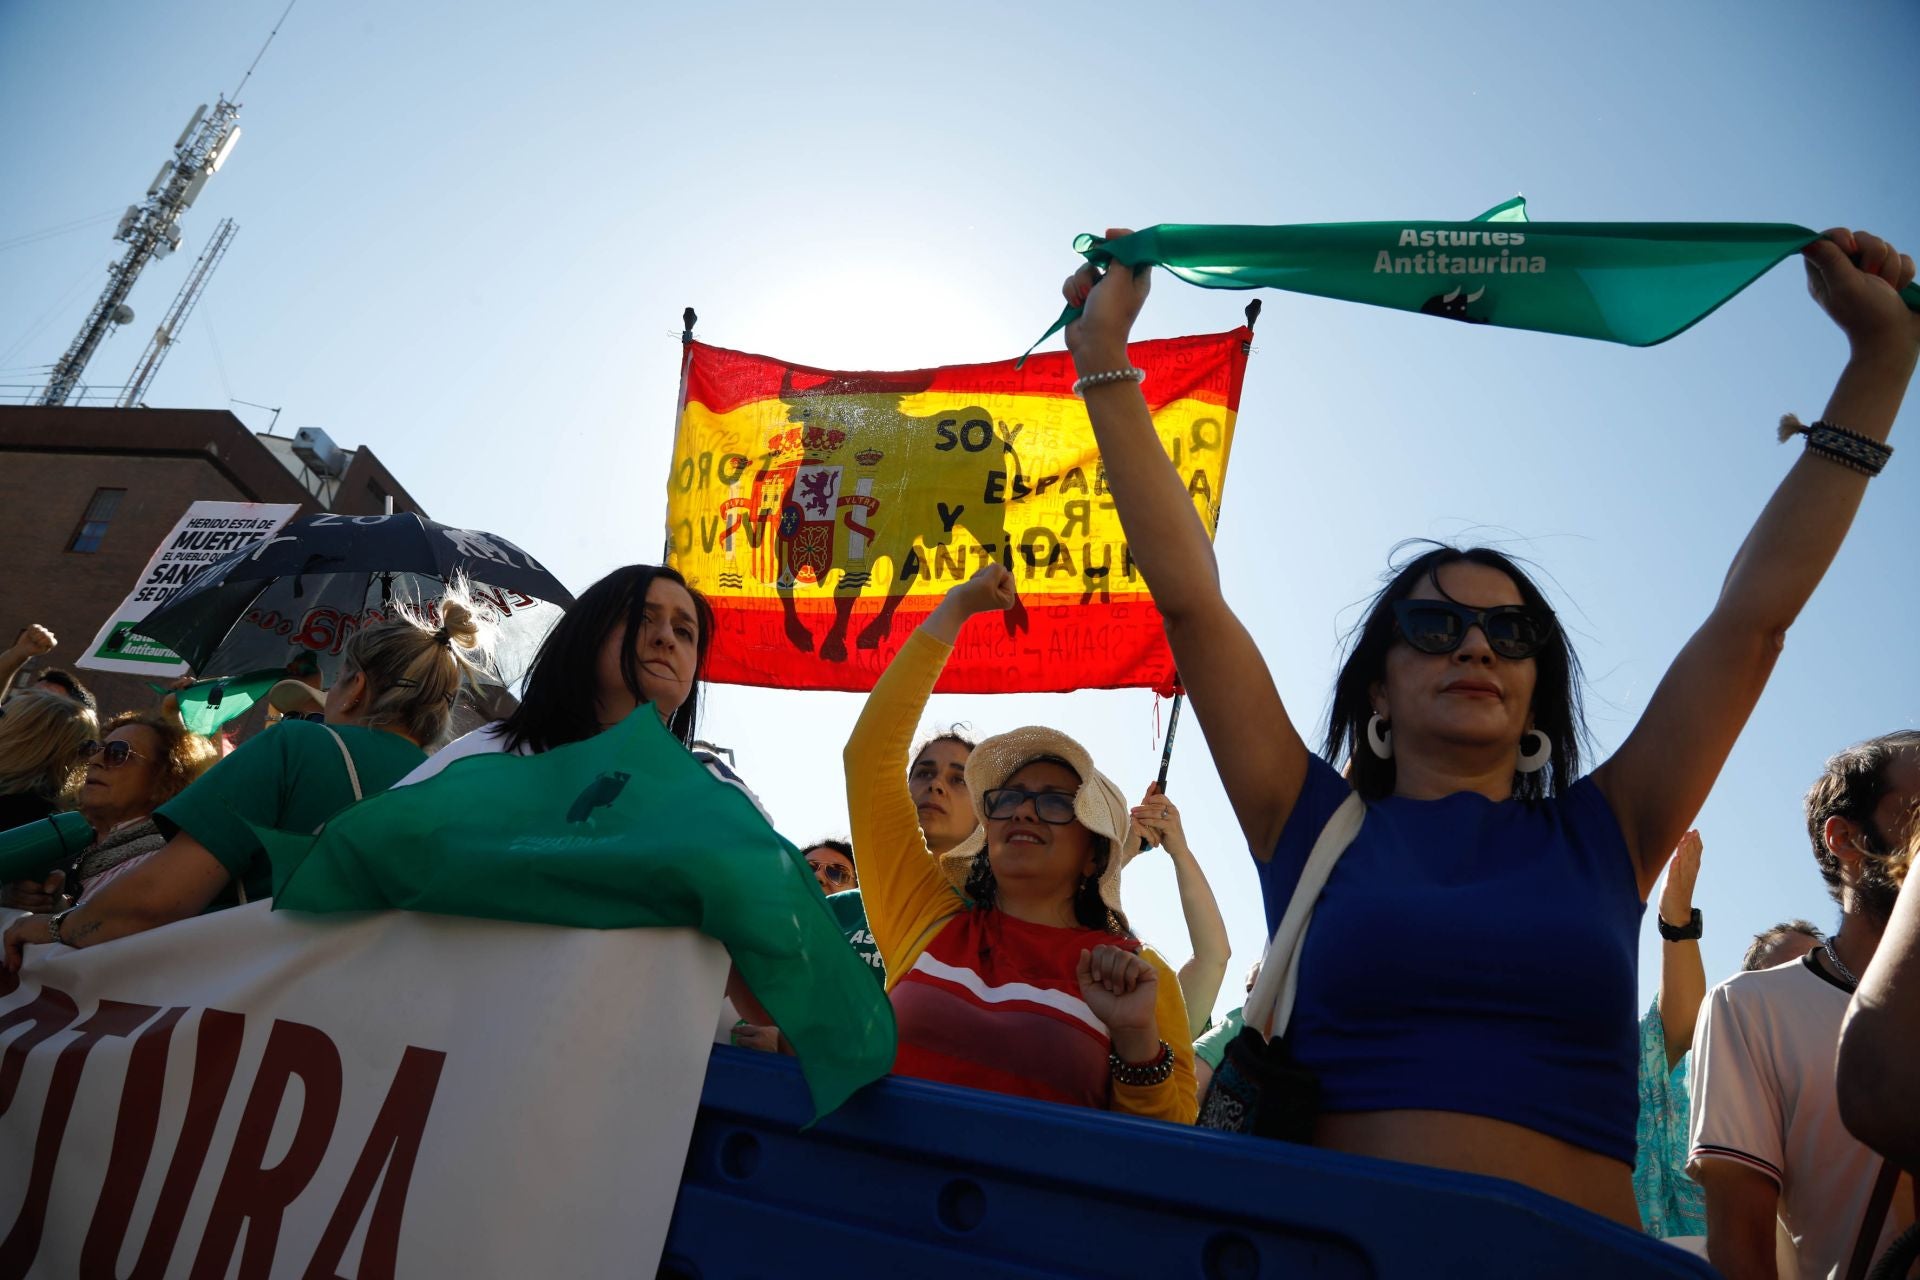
[(1477, 1144)]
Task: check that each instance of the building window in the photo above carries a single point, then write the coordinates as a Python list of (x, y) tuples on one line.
[(93, 525)]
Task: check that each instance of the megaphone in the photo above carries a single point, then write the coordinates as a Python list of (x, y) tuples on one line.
[(33, 850)]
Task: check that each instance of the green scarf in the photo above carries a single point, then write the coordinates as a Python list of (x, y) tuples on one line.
[(209, 705), (624, 830), (1634, 282)]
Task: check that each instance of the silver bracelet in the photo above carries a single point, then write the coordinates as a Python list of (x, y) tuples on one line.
[(1128, 374), (53, 925)]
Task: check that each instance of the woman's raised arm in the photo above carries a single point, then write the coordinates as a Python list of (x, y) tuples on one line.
[(900, 882), (1683, 978), (1156, 819), (1259, 754), (1661, 775)]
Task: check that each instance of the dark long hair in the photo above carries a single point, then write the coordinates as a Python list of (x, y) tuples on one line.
[(559, 704), (1556, 690)]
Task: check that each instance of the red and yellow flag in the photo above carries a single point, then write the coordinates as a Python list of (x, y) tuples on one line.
[(825, 514)]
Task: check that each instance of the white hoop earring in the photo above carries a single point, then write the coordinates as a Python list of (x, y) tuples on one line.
[(1380, 738), (1533, 759)]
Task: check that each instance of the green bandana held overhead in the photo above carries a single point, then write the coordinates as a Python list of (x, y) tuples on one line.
[(209, 705), (623, 830), (1634, 282)]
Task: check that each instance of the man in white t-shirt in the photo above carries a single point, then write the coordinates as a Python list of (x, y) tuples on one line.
[(1767, 1143)]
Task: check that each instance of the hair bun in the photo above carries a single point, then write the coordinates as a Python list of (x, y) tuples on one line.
[(458, 625)]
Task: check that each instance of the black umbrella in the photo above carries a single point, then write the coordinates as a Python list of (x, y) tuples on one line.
[(319, 580)]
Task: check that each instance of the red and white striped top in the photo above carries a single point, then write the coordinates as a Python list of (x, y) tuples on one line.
[(993, 1003)]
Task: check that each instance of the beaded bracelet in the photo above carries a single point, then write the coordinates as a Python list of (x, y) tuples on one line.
[(1128, 374), (1150, 1073), (1837, 444)]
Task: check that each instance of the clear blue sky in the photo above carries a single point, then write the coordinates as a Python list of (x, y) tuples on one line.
[(467, 232)]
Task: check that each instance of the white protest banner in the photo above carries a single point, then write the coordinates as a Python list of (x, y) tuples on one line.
[(208, 531), (363, 1095)]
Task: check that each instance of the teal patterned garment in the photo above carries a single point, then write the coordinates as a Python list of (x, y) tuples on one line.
[(1671, 1203)]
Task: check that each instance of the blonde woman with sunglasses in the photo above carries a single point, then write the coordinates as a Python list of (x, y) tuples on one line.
[(143, 760)]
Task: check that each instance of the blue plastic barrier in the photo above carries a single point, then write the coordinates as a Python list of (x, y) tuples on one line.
[(912, 1180)]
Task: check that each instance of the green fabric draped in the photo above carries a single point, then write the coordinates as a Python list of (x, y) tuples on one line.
[(209, 705), (624, 830), (1639, 283)]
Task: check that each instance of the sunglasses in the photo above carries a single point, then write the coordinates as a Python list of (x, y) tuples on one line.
[(1052, 807), (832, 872), (1439, 626), (112, 754)]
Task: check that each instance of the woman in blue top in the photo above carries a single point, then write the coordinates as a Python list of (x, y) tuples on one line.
[(1467, 990)]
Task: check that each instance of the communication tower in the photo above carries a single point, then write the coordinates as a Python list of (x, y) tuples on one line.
[(168, 332), (151, 230)]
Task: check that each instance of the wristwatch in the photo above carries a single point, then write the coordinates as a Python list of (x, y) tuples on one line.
[(1688, 932), (53, 925)]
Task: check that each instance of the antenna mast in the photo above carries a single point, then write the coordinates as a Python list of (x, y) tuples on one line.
[(151, 229), (169, 331)]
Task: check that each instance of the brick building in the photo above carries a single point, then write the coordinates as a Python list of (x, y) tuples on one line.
[(87, 494)]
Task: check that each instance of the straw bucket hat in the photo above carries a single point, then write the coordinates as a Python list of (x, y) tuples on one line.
[(296, 697), (1098, 805)]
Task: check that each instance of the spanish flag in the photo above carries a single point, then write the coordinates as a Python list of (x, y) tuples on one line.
[(824, 514)]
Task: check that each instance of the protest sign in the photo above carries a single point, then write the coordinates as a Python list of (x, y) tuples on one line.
[(372, 1095), (207, 532), (825, 514)]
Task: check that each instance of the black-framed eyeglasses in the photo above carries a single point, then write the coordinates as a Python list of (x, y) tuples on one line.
[(1439, 626), (1052, 807), (112, 754), (833, 873)]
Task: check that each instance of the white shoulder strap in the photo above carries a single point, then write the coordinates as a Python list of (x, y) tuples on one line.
[(353, 774), (353, 777), (1270, 1003)]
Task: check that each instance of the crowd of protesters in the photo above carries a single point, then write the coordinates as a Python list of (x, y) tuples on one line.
[(1465, 997)]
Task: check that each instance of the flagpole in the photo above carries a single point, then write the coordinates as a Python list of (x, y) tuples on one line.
[(688, 319), (1166, 751), (1179, 694)]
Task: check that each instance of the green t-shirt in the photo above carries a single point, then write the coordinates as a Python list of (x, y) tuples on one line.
[(1211, 1046), (851, 911), (290, 778)]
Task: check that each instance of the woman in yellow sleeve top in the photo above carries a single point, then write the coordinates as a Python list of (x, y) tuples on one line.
[(1009, 962)]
